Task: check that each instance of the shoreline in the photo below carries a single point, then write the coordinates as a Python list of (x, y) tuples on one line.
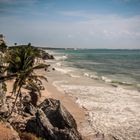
[(96, 106), (68, 102), (65, 63), (79, 113), (109, 110)]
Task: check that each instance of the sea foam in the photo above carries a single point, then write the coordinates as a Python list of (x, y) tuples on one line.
[(112, 110), (61, 57)]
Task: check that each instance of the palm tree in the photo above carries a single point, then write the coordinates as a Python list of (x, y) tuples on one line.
[(21, 63)]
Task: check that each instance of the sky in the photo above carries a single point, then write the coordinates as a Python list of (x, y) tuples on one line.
[(111, 24)]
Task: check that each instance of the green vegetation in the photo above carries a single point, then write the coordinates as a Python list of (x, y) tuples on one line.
[(21, 65)]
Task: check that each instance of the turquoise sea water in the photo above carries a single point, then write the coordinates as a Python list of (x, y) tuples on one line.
[(104, 82), (116, 66)]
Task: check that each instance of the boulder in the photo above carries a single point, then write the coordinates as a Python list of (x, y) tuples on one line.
[(54, 111), (27, 106), (39, 125), (53, 122), (19, 122), (50, 120), (19, 118), (47, 56)]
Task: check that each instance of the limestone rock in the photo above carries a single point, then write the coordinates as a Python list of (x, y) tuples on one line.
[(39, 125), (53, 122), (50, 120), (54, 111), (29, 108), (19, 122)]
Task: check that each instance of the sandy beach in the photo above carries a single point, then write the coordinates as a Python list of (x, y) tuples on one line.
[(67, 101), (95, 105), (51, 91), (79, 113)]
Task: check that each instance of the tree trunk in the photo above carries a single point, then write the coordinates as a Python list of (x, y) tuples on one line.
[(14, 103)]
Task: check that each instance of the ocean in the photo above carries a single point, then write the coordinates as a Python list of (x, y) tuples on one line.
[(104, 82), (114, 66)]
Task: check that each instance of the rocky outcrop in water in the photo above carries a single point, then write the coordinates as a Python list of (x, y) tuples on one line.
[(46, 56)]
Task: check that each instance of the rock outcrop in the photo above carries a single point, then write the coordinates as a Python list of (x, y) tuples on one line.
[(47, 56), (53, 122), (49, 120), (54, 111)]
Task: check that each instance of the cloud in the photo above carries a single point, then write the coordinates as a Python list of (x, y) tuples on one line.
[(70, 36), (126, 1), (106, 26), (7, 1), (9, 8), (92, 29), (13, 2), (73, 13)]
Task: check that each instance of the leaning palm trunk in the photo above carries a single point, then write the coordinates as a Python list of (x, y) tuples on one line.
[(13, 107)]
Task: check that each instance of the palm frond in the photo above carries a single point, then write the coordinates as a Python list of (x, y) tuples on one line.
[(1, 66), (39, 76), (7, 77), (40, 66)]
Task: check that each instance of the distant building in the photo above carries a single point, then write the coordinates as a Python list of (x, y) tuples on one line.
[(1, 39)]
